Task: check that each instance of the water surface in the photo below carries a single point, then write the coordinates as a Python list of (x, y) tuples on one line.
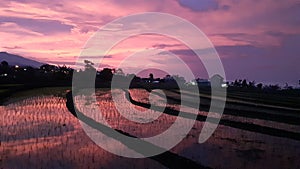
[(39, 132)]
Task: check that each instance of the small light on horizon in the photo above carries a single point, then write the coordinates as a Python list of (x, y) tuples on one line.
[(17, 66), (193, 83), (224, 85)]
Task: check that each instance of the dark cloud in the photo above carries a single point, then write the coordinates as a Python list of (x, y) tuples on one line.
[(162, 46), (274, 19), (63, 63), (239, 37), (269, 64), (43, 26), (92, 24), (12, 47), (203, 5), (189, 57), (187, 53), (275, 33), (262, 64), (96, 57), (87, 29), (291, 15), (240, 51), (72, 64), (225, 7), (30, 1)]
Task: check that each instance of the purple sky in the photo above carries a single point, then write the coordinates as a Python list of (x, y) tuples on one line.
[(256, 39)]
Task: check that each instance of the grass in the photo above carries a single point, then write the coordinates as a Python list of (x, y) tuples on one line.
[(6, 90), (288, 99), (9, 85), (14, 92), (3, 90), (58, 139), (276, 98), (282, 98)]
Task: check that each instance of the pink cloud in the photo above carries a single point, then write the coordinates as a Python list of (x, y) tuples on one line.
[(260, 24)]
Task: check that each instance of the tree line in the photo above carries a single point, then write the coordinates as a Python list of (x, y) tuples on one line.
[(62, 74)]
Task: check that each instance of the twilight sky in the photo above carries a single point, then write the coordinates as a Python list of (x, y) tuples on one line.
[(256, 39)]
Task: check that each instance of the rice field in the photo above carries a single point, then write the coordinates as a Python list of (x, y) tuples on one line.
[(39, 132)]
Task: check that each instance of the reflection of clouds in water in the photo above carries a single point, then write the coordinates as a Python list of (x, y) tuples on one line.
[(132, 113), (27, 143), (115, 119), (69, 147), (34, 118), (28, 131)]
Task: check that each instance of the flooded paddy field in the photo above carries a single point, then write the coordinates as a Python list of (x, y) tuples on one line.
[(38, 131)]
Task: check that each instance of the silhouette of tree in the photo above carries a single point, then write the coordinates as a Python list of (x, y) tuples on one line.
[(244, 83), (236, 83), (48, 68), (63, 73), (89, 66), (4, 63), (259, 86), (272, 87), (4, 67), (251, 84), (151, 77), (106, 74)]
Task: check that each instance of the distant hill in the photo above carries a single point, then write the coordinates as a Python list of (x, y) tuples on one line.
[(18, 60)]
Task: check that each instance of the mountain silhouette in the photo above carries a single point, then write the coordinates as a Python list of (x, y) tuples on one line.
[(18, 60)]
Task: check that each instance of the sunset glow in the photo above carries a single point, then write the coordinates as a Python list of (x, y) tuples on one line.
[(257, 40)]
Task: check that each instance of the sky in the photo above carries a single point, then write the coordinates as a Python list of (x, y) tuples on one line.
[(255, 39)]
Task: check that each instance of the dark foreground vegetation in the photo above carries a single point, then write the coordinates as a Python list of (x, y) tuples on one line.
[(245, 100), (14, 78)]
